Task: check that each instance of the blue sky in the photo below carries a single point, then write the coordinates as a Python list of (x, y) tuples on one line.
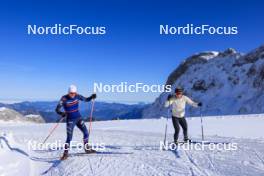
[(42, 67)]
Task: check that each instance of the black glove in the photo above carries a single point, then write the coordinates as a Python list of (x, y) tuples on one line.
[(169, 97), (93, 96), (200, 104)]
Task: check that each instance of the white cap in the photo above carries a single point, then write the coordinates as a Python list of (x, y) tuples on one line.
[(72, 89)]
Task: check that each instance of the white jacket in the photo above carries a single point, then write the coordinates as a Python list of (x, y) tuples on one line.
[(178, 105)]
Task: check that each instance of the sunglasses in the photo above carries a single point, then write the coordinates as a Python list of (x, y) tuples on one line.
[(72, 93)]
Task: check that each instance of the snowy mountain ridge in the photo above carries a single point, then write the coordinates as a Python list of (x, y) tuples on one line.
[(10, 115), (226, 82)]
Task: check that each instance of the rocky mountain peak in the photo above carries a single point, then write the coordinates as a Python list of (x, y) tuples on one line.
[(251, 57), (228, 52), (226, 82), (199, 58)]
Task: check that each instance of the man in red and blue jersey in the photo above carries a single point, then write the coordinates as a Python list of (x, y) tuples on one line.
[(70, 104)]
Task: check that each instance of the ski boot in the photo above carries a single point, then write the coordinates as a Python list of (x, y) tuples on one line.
[(87, 148), (65, 153), (187, 140), (176, 142)]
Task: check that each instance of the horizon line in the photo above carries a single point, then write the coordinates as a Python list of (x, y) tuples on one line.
[(13, 101)]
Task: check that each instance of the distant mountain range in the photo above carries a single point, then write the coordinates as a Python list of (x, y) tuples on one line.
[(226, 82), (103, 110)]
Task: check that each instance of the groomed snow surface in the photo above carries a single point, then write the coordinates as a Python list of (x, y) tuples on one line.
[(133, 148)]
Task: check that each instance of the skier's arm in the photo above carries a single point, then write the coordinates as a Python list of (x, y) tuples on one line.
[(82, 98), (58, 108), (190, 102)]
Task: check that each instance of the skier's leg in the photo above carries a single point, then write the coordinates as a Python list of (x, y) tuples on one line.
[(176, 126), (81, 125), (70, 126), (184, 126)]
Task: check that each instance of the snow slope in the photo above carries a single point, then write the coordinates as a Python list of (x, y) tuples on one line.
[(132, 148)]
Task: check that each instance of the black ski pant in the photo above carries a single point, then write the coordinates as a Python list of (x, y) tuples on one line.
[(176, 124)]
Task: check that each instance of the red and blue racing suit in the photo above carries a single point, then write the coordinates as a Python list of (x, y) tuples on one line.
[(71, 108)]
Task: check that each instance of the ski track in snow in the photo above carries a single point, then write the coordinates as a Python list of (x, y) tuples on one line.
[(130, 153)]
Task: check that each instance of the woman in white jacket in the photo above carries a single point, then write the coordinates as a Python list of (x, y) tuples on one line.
[(178, 103)]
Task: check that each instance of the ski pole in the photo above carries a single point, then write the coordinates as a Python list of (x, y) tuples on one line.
[(52, 130), (201, 123), (91, 118), (166, 126)]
